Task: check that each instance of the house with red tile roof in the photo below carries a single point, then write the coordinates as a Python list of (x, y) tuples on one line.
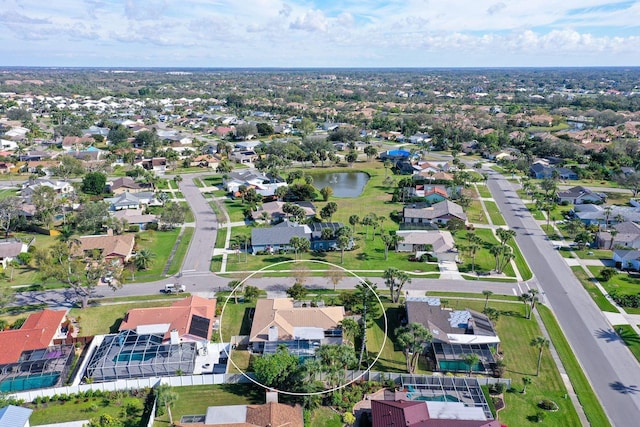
[(415, 413), (37, 332), (192, 318)]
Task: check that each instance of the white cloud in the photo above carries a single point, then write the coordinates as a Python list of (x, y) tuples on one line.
[(312, 21)]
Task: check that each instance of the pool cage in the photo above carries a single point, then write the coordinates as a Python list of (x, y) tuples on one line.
[(453, 389), (129, 355), (48, 367)]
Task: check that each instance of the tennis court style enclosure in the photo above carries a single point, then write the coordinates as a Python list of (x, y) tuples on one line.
[(129, 355)]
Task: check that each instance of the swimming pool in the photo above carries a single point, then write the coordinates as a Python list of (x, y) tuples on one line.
[(133, 356), (443, 398), (29, 382)]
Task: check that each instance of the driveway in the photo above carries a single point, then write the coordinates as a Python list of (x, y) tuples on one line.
[(608, 363)]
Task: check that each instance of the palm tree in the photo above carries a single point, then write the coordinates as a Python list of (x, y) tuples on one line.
[(471, 360), (350, 329), (487, 294), (539, 342), (524, 297), (144, 258), (526, 381), (166, 397), (533, 299)]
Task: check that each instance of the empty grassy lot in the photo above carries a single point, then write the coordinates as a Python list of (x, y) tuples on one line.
[(601, 301)]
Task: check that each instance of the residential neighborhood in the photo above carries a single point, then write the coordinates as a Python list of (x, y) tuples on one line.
[(419, 248)]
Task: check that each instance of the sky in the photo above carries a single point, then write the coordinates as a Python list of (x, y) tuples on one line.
[(319, 33)]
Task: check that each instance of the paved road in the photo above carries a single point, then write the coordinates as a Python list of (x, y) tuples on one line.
[(197, 261), (608, 363)]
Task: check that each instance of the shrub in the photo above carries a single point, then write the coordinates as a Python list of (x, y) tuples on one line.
[(548, 405), (152, 226), (497, 388), (24, 258), (538, 417), (18, 323), (134, 228)]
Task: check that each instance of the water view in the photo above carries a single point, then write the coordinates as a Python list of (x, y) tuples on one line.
[(344, 184)]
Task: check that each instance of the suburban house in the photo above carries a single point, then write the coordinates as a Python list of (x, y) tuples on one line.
[(275, 213), (156, 164), (417, 413), (439, 213), (437, 243), (431, 193), (579, 195), (206, 161), (124, 185), (135, 217), (277, 238), (265, 184), (455, 333), (298, 325), (394, 155), (270, 414), (132, 200), (6, 167), (627, 235), (10, 249), (190, 318), (627, 259), (244, 156), (598, 215), (61, 188), (541, 171), (32, 357), (109, 246), (15, 416)]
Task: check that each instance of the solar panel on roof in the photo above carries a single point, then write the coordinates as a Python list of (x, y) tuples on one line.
[(199, 326)]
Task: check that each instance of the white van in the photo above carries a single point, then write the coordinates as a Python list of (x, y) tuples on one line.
[(172, 288)]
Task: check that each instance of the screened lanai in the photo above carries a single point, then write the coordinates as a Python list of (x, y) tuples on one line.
[(129, 355)]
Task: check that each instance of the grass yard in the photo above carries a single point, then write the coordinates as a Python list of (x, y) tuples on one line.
[(325, 417), (494, 213), (470, 295), (601, 301), (221, 237), (515, 333), (5, 192), (594, 254), (484, 261), (622, 283), (242, 358), (216, 263), (550, 231), (176, 263), (160, 243), (235, 209), (188, 216), (475, 213), (537, 214), (581, 385), (368, 256), (236, 319), (521, 262), (28, 275), (196, 399), (630, 338), (212, 181), (484, 191), (80, 409), (106, 319)]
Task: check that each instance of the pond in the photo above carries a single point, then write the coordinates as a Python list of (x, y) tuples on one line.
[(344, 184)]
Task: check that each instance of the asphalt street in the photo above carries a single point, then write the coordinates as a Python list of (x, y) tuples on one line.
[(607, 362)]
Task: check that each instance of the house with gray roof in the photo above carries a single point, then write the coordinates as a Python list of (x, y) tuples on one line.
[(598, 215), (455, 334), (578, 195), (627, 259), (132, 200), (437, 243), (276, 238), (626, 235), (439, 213), (15, 416)]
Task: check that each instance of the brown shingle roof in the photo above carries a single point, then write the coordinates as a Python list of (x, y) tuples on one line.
[(280, 312), (118, 246)]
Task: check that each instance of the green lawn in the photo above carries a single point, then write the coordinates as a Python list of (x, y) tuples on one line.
[(216, 263), (521, 262), (235, 319), (212, 181), (484, 191), (601, 301), (235, 209), (160, 243), (105, 319), (221, 237), (4, 193), (586, 396), (484, 261), (594, 254), (475, 213), (188, 217), (196, 399), (369, 255), (470, 295), (242, 359), (535, 212), (325, 417), (622, 283), (631, 339), (494, 213), (181, 251), (29, 274), (79, 409)]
